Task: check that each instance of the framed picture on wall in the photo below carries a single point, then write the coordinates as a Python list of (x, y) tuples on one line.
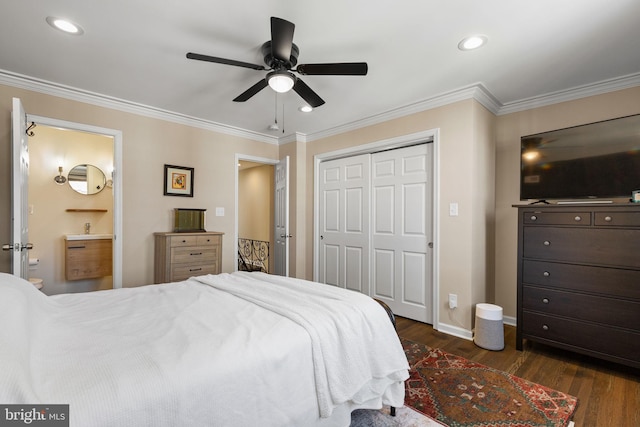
[(178, 181)]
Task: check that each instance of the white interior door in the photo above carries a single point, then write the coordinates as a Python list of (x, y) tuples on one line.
[(19, 191), (401, 231), (344, 223), (281, 218)]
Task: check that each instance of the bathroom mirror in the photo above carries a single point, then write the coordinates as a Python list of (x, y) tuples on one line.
[(87, 179)]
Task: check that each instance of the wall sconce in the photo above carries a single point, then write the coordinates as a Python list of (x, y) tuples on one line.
[(110, 180), (59, 179)]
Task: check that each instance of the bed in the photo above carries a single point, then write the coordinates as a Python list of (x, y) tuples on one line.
[(239, 349)]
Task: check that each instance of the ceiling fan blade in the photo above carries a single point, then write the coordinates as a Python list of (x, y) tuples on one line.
[(281, 38), (224, 61), (251, 91), (335, 69), (307, 94)]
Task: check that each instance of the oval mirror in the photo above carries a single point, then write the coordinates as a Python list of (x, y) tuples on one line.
[(87, 179)]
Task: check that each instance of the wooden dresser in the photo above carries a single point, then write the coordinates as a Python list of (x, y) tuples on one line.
[(179, 256), (579, 279)]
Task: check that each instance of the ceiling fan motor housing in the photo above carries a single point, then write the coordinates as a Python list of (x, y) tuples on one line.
[(276, 64)]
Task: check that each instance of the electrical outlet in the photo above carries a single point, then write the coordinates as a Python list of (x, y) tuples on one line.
[(453, 301)]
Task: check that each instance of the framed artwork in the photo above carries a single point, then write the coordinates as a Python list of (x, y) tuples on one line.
[(178, 181)]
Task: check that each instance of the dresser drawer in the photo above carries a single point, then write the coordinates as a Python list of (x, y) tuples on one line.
[(611, 311), (208, 240), (617, 219), (579, 217), (194, 255), (583, 335), (613, 282), (615, 247), (176, 241), (183, 272)]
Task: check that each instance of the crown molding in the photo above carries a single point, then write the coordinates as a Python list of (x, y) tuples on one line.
[(476, 91), (598, 88), (74, 94)]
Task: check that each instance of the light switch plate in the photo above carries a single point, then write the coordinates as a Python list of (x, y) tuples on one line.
[(453, 209), (219, 211)]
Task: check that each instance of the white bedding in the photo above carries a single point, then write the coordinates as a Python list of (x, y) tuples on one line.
[(194, 354)]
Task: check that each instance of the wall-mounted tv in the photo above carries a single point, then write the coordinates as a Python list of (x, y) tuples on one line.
[(594, 161)]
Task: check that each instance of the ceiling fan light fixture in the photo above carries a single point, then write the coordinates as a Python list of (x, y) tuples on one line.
[(306, 109), (280, 81), (472, 42)]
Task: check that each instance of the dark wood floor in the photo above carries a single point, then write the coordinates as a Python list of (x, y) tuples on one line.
[(608, 393)]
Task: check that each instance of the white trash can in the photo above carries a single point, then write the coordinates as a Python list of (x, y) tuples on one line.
[(489, 329)]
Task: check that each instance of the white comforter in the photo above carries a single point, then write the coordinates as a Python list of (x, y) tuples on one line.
[(194, 354)]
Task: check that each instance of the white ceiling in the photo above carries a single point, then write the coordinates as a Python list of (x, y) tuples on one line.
[(134, 50)]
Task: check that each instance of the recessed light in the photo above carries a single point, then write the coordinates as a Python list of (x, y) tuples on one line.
[(472, 42), (65, 25), (306, 109)]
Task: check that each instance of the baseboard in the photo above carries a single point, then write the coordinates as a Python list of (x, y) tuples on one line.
[(508, 320), (459, 332), (456, 331)]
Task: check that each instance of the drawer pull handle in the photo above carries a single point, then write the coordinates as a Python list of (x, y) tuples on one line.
[(608, 218), (195, 253), (533, 217), (184, 241), (578, 218), (546, 243), (76, 247), (195, 269), (545, 300), (545, 327), (546, 274)]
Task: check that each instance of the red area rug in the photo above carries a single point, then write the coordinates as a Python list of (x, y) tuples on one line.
[(462, 393)]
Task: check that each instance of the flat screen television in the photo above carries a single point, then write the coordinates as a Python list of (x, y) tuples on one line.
[(594, 161)]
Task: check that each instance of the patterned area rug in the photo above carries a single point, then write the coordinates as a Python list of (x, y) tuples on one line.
[(405, 417), (461, 393)]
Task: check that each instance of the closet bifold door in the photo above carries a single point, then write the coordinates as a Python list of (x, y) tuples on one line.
[(344, 223), (375, 227)]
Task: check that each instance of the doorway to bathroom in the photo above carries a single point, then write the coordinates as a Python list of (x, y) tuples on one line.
[(70, 194), (46, 215)]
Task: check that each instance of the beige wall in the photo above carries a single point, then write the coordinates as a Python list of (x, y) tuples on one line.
[(148, 144), (510, 128), (49, 220), (255, 203)]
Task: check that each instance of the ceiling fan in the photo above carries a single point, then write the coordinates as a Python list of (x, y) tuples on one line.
[(280, 56)]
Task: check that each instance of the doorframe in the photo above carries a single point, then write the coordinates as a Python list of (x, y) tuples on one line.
[(388, 144), (238, 158), (117, 181)]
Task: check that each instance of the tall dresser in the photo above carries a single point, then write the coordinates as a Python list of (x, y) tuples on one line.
[(179, 256), (579, 279)]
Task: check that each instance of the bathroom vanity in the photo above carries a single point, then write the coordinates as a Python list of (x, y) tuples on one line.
[(88, 256)]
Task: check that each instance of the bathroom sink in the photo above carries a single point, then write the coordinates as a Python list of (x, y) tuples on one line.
[(88, 236)]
